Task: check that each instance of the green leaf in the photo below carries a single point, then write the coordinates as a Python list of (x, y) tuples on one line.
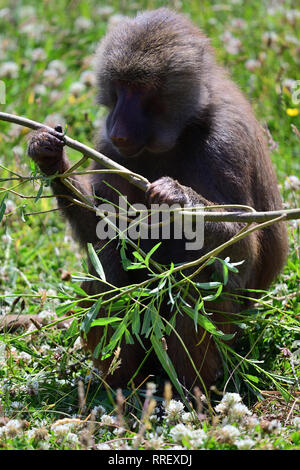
[(208, 285), (105, 321), (116, 337), (64, 308), (90, 316), (167, 364), (296, 438), (198, 306), (136, 321), (125, 261), (138, 256), (212, 297), (252, 378), (22, 346), (225, 274), (96, 261), (148, 256), (207, 324), (128, 338), (146, 328), (73, 329), (3, 206), (39, 193)]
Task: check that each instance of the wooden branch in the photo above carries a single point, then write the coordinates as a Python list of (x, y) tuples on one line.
[(142, 183), (136, 180)]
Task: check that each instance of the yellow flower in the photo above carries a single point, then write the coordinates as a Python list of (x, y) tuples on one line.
[(31, 98), (292, 112)]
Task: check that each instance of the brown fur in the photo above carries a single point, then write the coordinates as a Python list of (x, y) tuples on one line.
[(204, 147)]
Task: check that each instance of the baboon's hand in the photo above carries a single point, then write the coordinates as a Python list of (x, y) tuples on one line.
[(46, 148), (165, 190)]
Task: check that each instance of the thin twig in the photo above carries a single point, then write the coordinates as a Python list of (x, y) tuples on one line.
[(142, 183)]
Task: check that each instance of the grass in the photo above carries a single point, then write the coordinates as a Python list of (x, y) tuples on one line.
[(45, 377)]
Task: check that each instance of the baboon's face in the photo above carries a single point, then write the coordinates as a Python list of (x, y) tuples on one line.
[(143, 118)]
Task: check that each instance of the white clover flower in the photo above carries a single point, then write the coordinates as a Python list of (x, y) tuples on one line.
[(88, 78), (238, 411), (274, 425), (296, 422), (114, 20), (13, 428), (14, 130), (270, 37), (61, 430), (104, 12), (245, 444), (44, 445), (6, 238), (289, 83), (238, 23), (51, 77), (292, 39), (39, 434), (44, 349), (16, 405), (228, 400), (40, 90), (26, 11), (151, 388), (79, 345), (292, 182), (31, 433), (55, 95), (292, 15), (251, 422), (25, 357), (174, 410), (108, 420), (18, 151), (232, 44), (159, 430), (195, 437), (32, 29), (9, 69), (77, 88), (57, 65), (212, 21), (103, 446), (38, 54), (155, 442), (83, 24), (252, 64), (179, 431), (32, 387), (119, 431), (10, 205), (2, 354), (72, 440), (188, 418), (227, 433), (5, 13), (52, 291), (47, 316)]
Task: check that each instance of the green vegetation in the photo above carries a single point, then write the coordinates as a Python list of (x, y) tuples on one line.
[(50, 395)]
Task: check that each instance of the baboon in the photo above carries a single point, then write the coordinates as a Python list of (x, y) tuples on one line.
[(175, 117)]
